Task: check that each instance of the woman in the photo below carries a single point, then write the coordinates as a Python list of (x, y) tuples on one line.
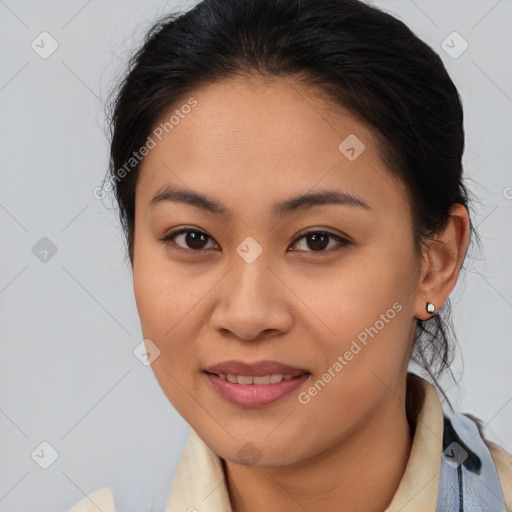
[(289, 179)]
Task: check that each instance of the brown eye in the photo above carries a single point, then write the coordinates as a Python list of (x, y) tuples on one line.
[(195, 240), (192, 239), (317, 241)]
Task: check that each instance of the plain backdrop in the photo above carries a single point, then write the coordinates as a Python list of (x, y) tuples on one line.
[(69, 326)]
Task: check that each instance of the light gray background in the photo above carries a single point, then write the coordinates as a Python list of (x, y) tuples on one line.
[(69, 326)]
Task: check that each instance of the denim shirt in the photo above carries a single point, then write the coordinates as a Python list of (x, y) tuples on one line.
[(469, 481)]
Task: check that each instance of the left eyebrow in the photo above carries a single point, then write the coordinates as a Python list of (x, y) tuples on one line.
[(321, 197), (284, 208)]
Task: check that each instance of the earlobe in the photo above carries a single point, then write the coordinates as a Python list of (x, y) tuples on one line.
[(445, 252)]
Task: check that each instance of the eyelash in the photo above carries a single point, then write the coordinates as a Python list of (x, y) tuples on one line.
[(173, 234)]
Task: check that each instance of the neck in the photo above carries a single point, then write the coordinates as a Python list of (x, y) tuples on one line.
[(360, 473)]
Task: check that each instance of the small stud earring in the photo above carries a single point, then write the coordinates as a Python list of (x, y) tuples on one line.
[(431, 308)]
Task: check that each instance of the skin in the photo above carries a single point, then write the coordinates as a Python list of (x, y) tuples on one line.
[(295, 303)]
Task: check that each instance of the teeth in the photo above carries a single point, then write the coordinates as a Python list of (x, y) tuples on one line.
[(274, 378)]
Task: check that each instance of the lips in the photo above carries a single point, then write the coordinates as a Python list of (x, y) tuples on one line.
[(258, 369), (254, 384)]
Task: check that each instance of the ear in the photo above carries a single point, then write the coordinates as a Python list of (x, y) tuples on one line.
[(442, 261)]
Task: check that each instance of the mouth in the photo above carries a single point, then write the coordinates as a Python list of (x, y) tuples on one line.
[(259, 380), (256, 384)]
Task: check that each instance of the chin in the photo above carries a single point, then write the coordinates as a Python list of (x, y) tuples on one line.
[(256, 452)]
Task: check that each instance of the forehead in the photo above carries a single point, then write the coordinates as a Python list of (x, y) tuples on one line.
[(278, 111), (249, 134)]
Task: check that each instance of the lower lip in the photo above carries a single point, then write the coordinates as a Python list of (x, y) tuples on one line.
[(255, 395)]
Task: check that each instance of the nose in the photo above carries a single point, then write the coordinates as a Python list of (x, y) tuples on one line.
[(253, 302)]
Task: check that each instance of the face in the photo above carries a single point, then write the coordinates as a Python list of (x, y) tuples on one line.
[(321, 288)]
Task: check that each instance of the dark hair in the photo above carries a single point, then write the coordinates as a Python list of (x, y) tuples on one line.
[(361, 57)]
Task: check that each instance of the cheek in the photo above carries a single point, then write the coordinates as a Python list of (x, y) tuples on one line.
[(153, 288), (167, 297), (163, 317), (158, 286), (371, 283), (370, 309)]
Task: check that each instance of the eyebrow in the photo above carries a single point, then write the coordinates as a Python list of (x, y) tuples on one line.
[(287, 207)]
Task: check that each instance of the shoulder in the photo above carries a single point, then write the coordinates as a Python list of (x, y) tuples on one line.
[(503, 462), (100, 499)]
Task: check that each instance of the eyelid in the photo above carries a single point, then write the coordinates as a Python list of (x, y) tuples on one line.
[(327, 231)]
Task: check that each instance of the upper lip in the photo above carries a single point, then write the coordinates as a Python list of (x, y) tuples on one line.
[(260, 368)]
